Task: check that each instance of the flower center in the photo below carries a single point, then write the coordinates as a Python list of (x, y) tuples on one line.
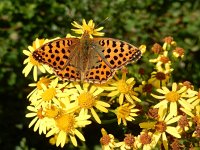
[(168, 39), (172, 96), (86, 100), (164, 59), (153, 113), (129, 140), (123, 111), (183, 122), (123, 87), (88, 28), (160, 76), (43, 80), (49, 94), (65, 122), (105, 140), (145, 138), (33, 61), (147, 88), (179, 51), (160, 126), (157, 48)]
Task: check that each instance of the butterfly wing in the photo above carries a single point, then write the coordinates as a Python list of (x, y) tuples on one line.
[(99, 73), (116, 53), (57, 54), (70, 73), (112, 55)]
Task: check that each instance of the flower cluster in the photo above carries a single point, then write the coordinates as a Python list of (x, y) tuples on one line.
[(162, 108)]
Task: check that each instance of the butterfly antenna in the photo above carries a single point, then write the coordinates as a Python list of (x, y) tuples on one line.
[(102, 22)]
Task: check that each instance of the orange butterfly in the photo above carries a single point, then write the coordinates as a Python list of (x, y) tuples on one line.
[(86, 59)]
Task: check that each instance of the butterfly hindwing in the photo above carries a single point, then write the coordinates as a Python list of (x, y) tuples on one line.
[(117, 53), (69, 73), (56, 53), (100, 73)]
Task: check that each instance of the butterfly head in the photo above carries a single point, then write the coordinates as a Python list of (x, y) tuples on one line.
[(86, 35)]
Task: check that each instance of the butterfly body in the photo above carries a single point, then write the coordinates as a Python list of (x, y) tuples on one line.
[(86, 59)]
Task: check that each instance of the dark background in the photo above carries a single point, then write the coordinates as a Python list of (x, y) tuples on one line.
[(134, 21)]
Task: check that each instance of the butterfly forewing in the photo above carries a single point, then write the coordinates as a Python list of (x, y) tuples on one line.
[(56, 53), (118, 53)]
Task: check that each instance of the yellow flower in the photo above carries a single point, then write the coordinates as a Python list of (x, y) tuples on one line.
[(41, 122), (162, 126), (31, 62), (183, 124), (128, 143), (66, 125), (168, 42), (163, 63), (87, 99), (126, 112), (172, 97), (157, 48), (43, 80), (122, 88), (159, 79), (89, 28), (48, 95), (145, 141), (178, 52), (107, 140)]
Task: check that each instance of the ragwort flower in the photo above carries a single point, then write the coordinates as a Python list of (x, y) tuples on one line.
[(159, 79), (122, 88), (107, 140), (145, 141), (128, 143), (126, 112), (48, 94), (173, 97), (163, 63), (66, 126), (89, 28), (162, 126), (87, 98), (41, 122)]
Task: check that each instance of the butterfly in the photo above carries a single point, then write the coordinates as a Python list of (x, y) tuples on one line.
[(86, 59)]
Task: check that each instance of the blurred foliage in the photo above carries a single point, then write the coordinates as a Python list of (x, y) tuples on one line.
[(135, 21)]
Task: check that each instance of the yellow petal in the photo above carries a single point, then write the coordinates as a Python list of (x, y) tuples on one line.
[(147, 125), (173, 131), (164, 140), (79, 135), (73, 139), (61, 139), (113, 93), (173, 108), (96, 117), (121, 98)]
